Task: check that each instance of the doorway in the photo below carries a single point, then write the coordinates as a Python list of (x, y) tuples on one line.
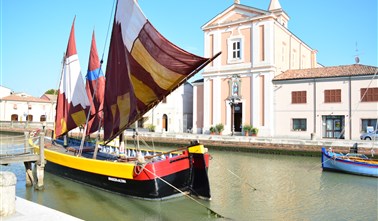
[(165, 122), (238, 116), (333, 127), (14, 117)]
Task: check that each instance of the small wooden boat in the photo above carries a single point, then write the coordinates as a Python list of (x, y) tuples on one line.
[(352, 163)]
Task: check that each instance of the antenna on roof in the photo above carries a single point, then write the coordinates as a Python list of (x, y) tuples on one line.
[(356, 57)]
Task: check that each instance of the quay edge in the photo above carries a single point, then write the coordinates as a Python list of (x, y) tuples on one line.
[(261, 145), (285, 146)]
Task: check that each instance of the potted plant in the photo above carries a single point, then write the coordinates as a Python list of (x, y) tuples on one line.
[(219, 127), (254, 131), (247, 128), (151, 127), (212, 130)]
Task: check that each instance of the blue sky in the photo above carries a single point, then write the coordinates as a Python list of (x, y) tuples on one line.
[(34, 34)]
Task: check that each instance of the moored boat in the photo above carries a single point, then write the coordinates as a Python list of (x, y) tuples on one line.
[(352, 163), (159, 175), (143, 68)]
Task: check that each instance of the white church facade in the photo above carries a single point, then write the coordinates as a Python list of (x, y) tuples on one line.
[(237, 87)]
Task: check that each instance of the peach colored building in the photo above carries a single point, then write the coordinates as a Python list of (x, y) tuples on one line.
[(256, 46)]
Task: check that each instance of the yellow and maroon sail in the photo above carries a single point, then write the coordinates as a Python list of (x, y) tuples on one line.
[(143, 67), (72, 102)]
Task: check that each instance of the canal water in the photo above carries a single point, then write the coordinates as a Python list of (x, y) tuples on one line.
[(245, 186)]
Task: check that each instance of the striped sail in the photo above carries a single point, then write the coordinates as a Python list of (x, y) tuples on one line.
[(143, 67), (72, 102), (95, 87)]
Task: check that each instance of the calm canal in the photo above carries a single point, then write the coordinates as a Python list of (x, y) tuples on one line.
[(287, 188)]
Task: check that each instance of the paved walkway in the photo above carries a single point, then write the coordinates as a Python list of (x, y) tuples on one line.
[(30, 211)]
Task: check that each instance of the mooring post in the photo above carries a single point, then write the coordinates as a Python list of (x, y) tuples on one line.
[(28, 165), (29, 174), (7, 193), (41, 162)]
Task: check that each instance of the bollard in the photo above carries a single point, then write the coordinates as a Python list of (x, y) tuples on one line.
[(40, 166), (29, 174), (7, 193), (313, 136)]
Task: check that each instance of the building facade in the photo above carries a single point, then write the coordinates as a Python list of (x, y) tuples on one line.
[(174, 113), (23, 107), (330, 102), (237, 88)]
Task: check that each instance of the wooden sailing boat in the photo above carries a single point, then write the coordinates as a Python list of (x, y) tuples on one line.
[(143, 67), (352, 163)]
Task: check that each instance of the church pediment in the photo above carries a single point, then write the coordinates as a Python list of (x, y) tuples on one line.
[(235, 13)]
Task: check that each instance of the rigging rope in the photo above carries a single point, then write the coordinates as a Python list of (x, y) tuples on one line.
[(217, 215), (245, 182), (107, 32)]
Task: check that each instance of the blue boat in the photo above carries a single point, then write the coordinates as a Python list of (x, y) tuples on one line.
[(352, 163)]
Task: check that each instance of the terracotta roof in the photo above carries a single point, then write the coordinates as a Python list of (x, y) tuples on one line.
[(327, 72), (50, 97), (14, 97)]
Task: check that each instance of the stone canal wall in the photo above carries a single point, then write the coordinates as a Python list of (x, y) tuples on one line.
[(261, 145), (243, 143)]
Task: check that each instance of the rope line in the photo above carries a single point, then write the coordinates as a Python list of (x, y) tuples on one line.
[(217, 215), (245, 182)]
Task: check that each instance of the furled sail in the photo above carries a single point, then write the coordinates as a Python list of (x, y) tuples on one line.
[(143, 67), (95, 87), (72, 102)]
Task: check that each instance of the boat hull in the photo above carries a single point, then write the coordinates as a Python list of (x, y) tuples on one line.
[(146, 189), (155, 179), (331, 162)]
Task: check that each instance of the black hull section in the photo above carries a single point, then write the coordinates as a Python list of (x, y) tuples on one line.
[(200, 180), (153, 189)]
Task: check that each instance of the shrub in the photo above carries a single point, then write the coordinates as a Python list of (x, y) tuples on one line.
[(247, 128), (219, 127), (212, 129), (254, 130), (151, 127)]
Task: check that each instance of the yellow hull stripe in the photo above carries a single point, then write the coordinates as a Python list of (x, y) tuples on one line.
[(106, 168)]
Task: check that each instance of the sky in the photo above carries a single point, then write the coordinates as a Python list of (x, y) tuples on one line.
[(34, 34)]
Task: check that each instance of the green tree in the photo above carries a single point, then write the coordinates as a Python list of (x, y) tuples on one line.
[(51, 91)]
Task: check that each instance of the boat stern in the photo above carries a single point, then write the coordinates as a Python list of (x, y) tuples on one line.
[(200, 185)]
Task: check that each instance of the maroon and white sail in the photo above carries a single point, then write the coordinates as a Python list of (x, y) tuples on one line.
[(72, 102)]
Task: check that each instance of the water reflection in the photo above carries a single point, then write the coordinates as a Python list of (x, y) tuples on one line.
[(288, 188)]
